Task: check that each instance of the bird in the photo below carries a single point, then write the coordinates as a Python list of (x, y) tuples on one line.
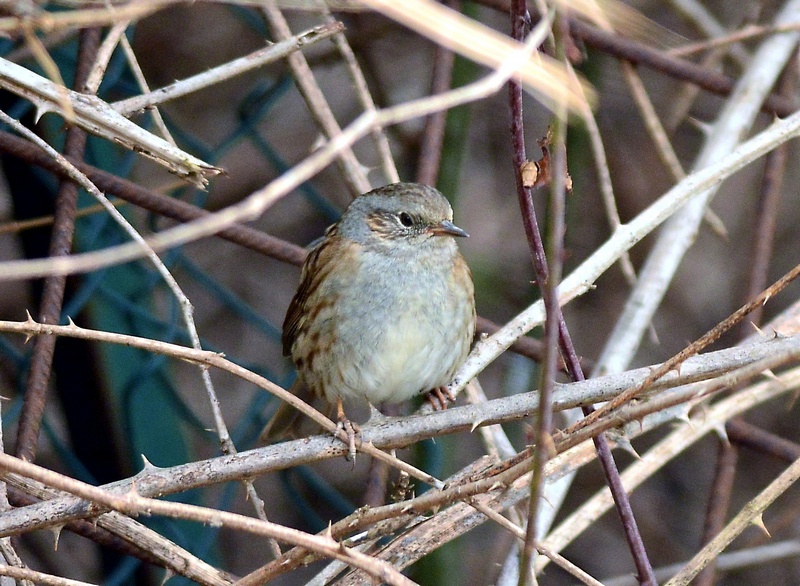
[(385, 308)]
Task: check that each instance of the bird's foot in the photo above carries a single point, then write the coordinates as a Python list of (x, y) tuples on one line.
[(350, 429), (439, 398)]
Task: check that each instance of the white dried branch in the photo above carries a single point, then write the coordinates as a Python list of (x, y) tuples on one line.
[(679, 233), (97, 117), (390, 433), (726, 562), (365, 97), (541, 75), (707, 23), (624, 238), (256, 203), (227, 70), (668, 448), (47, 21), (750, 514), (131, 503), (353, 171), (28, 576)]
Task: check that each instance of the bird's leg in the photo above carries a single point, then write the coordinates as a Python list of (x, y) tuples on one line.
[(439, 397), (350, 428)]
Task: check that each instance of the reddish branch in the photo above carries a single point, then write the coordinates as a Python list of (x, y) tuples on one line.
[(66, 207), (430, 150), (632, 534)]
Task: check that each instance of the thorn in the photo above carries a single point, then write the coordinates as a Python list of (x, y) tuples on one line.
[(328, 531), (318, 143), (758, 521), (71, 323), (766, 298), (148, 465), (375, 416), (623, 442), (29, 322), (367, 169), (653, 335), (771, 376), (56, 529), (716, 224), (476, 423), (41, 110), (215, 521), (757, 329), (683, 418), (167, 575), (703, 127), (722, 433)]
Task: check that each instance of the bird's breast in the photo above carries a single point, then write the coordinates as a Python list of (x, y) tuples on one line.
[(400, 330)]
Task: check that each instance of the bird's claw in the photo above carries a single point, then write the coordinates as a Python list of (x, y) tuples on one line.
[(351, 430), (439, 398)]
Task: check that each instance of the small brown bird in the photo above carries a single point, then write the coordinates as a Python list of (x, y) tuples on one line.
[(385, 309)]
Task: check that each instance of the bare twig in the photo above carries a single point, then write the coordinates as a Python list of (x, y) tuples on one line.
[(353, 171), (679, 233), (430, 148), (228, 70), (391, 433), (53, 293), (97, 117), (750, 513), (132, 503)]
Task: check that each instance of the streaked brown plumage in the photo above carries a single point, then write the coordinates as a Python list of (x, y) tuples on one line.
[(385, 308)]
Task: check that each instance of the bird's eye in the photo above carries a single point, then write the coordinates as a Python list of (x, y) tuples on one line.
[(406, 219)]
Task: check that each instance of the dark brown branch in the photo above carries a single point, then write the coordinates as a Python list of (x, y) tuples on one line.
[(755, 438), (760, 254), (66, 207), (543, 424), (430, 151), (718, 504), (639, 54), (155, 202), (631, 530)]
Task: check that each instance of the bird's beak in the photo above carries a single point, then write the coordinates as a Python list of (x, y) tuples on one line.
[(447, 228)]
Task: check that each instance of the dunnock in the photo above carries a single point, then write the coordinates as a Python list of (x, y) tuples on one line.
[(385, 309)]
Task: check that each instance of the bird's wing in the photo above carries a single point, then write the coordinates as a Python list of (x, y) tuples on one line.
[(314, 271)]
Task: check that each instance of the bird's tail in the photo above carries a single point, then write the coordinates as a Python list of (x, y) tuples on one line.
[(285, 423)]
